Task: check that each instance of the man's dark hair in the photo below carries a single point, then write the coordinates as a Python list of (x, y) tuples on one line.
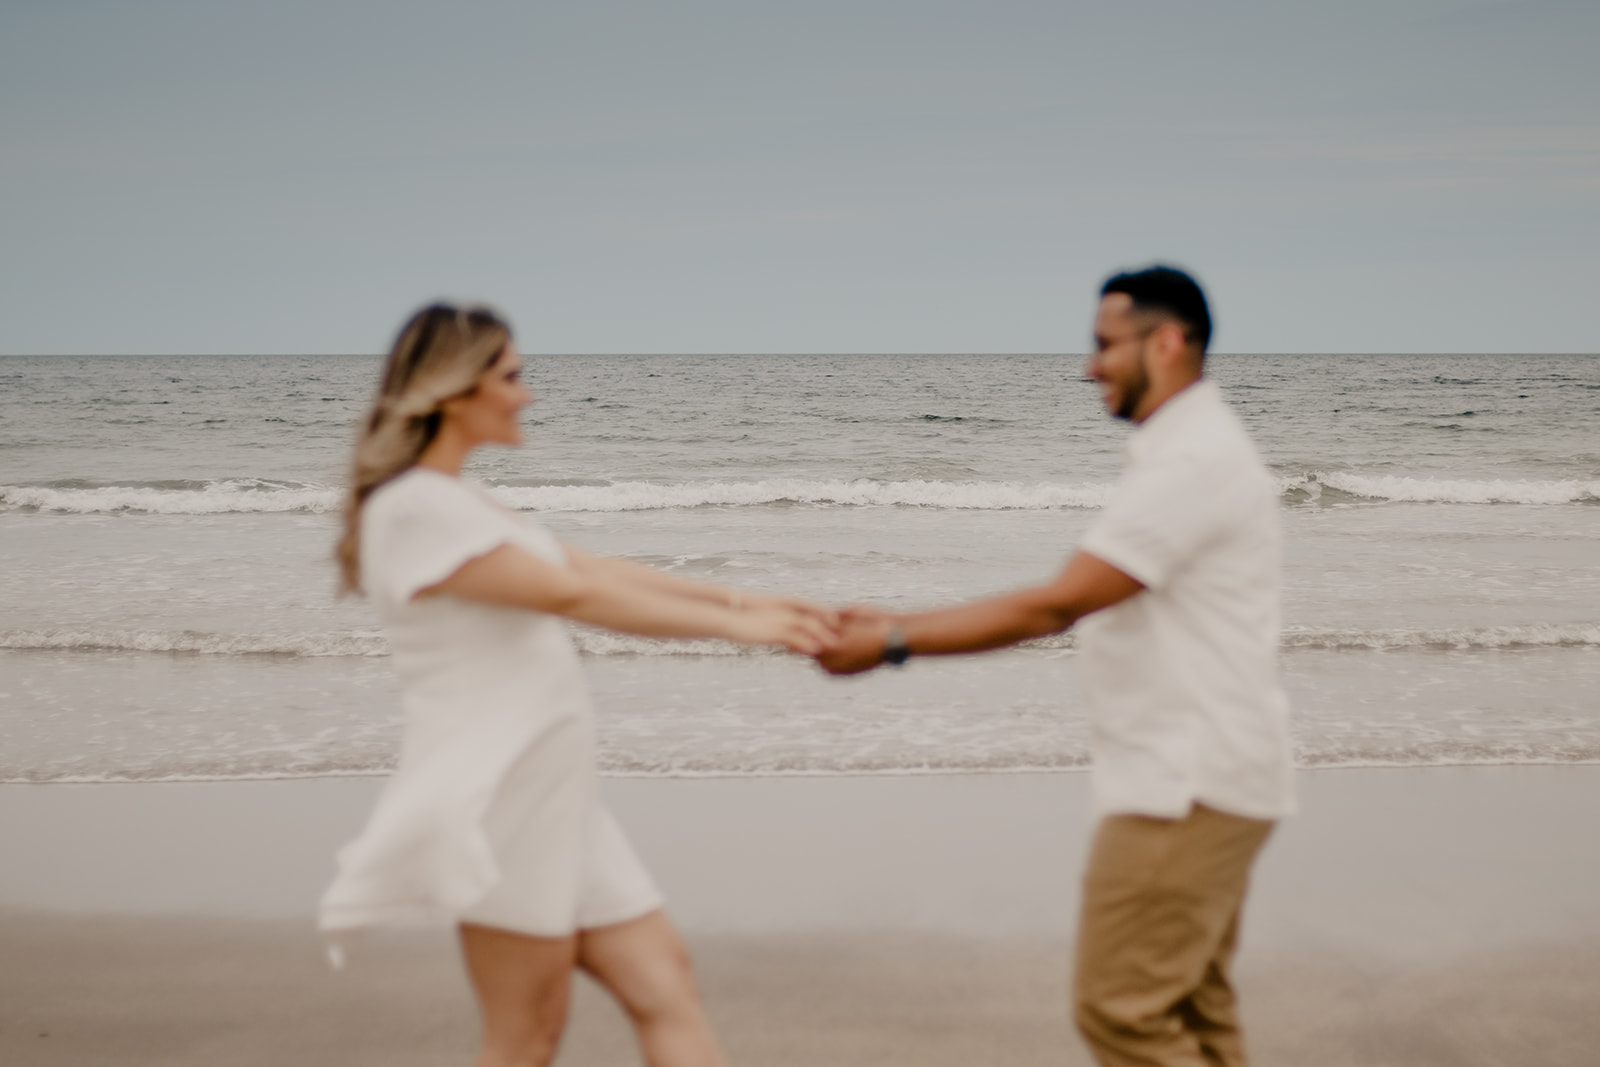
[(1166, 291)]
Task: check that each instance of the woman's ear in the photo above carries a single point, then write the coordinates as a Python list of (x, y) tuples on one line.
[(450, 406)]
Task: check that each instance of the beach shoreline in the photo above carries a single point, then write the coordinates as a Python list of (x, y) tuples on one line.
[(1424, 915)]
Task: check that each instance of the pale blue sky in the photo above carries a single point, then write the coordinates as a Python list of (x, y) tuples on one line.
[(818, 176)]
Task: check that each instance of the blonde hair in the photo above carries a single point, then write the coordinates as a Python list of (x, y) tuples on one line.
[(441, 353)]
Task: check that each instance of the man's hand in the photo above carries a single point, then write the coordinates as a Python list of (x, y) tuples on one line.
[(1086, 584), (859, 646)]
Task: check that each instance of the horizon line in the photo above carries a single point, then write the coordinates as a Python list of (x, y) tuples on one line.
[(784, 355)]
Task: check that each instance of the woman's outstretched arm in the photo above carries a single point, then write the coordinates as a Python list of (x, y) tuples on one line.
[(637, 573), (513, 577)]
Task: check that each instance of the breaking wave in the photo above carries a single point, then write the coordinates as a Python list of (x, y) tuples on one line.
[(592, 642), (196, 642), (589, 642), (625, 764), (1482, 639), (255, 496), (251, 496), (230, 496), (1328, 487), (648, 496)]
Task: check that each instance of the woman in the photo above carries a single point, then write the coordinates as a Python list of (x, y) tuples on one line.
[(492, 816)]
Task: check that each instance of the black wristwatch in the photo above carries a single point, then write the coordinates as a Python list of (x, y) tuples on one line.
[(895, 649)]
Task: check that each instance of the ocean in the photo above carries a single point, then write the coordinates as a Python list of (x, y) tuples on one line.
[(167, 603)]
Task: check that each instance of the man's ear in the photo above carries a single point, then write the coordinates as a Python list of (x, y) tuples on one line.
[(1170, 345)]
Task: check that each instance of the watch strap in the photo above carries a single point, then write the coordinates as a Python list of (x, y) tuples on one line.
[(895, 649)]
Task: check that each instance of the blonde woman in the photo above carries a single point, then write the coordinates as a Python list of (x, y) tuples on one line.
[(492, 817)]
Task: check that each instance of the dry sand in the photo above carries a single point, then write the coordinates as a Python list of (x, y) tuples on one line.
[(1417, 917)]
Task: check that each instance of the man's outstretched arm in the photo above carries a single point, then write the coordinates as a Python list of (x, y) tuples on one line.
[(1086, 584)]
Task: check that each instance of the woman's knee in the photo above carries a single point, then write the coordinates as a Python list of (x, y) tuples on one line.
[(649, 971), (664, 987), (523, 985), (528, 1038)]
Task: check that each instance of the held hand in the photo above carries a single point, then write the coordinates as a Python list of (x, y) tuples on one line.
[(780, 624), (864, 613), (821, 612), (859, 646)]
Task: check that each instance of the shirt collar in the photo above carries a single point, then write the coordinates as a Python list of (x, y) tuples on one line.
[(1170, 418)]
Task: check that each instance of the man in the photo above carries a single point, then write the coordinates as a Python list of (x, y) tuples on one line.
[(1176, 587)]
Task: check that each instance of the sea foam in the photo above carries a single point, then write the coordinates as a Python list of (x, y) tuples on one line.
[(591, 642), (622, 764), (246, 496), (193, 642), (1401, 489), (196, 642), (214, 498), (645, 496)]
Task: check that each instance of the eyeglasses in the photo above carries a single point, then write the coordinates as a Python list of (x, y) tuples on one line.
[(1107, 346)]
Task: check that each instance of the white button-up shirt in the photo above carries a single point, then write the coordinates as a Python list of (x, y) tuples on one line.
[(1182, 679)]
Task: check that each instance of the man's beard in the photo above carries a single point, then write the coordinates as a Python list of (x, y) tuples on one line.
[(1133, 391)]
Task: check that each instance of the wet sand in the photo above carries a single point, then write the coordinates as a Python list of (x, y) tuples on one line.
[(1416, 916)]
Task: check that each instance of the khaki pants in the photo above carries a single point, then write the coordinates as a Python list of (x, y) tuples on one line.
[(1161, 902)]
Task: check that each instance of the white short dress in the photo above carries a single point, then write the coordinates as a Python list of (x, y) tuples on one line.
[(493, 814)]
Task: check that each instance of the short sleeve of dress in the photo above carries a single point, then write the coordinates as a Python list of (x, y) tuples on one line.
[(419, 529), (1157, 520)]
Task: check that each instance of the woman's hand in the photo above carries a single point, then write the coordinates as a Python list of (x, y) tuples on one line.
[(799, 627), (821, 612), (863, 613)]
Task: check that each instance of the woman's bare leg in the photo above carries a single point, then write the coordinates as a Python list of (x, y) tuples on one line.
[(523, 984), (644, 964)]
